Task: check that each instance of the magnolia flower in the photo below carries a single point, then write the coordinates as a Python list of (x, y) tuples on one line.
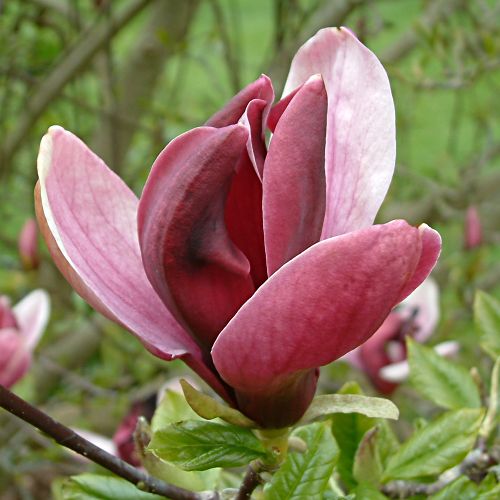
[(473, 234), (28, 245), (255, 266), (383, 356), (21, 327)]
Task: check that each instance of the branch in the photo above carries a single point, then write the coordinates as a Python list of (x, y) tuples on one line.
[(435, 13), (72, 63), (68, 438), (251, 480)]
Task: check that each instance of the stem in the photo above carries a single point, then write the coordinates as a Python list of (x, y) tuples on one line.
[(68, 438), (251, 480)]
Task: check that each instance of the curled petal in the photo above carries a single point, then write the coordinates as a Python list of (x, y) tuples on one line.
[(360, 136), (317, 307), (32, 314), (187, 252), (294, 177), (88, 218)]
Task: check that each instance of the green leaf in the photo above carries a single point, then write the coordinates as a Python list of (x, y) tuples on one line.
[(367, 467), (93, 486), (387, 442), (368, 492), (305, 475), (491, 418), (329, 404), (447, 384), (487, 319), (462, 488), (199, 445), (440, 445), (172, 408), (348, 430), (209, 408)]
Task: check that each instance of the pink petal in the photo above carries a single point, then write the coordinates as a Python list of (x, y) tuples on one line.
[(279, 108), (425, 300), (317, 307), (88, 216), (15, 358), (7, 317), (431, 248), (188, 255), (32, 314), (361, 146), (294, 177), (230, 114)]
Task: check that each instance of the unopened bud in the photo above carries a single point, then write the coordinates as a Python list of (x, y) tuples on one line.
[(28, 245), (473, 237)]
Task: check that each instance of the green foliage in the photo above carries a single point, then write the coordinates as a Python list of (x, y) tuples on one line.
[(436, 447), (198, 445), (348, 430), (209, 408), (329, 404), (305, 475), (444, 382), (465, 489), (95, 487), (487, 318)]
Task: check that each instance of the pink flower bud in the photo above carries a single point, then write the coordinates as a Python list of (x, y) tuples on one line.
[(28, 245), (473, 236)]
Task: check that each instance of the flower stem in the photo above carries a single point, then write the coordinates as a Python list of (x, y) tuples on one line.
[(68, 438)]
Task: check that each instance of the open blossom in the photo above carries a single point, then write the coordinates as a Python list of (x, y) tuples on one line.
[(255, 265), (21, 327), (383, 356)]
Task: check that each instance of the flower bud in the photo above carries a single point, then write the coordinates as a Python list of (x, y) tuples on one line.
[(28, 245), (473, 236)]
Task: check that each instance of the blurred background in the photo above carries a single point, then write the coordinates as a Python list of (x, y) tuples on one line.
[(127, 76)]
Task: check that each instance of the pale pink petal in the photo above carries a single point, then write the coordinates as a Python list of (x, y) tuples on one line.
[(187, 252), (91, 215), (361, 144), (317, 307), (425, 301), (294, 177), (32, 314)]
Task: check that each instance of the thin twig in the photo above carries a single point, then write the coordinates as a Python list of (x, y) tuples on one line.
[(251, 480), (68, 438)]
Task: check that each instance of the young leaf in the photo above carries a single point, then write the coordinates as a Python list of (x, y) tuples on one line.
[(491, 418), (438, 446), (329, 404), (447, 384), (367, 466), (199, 445), (462, 488), (487, 319), (305, 475), (94, 486), (172, 408), (348, 430), (366, 491), (209, 408)]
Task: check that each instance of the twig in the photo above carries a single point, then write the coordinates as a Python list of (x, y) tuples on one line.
[(68, 438), (251, 480)]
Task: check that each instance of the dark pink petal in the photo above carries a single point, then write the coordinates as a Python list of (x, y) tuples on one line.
[(279, 108), (294, 177), (7, 317), (15, 357), (315, 308), (230, 114), (243, 217), (361, 145), (88, 217), (431, 248), (187, 252)]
